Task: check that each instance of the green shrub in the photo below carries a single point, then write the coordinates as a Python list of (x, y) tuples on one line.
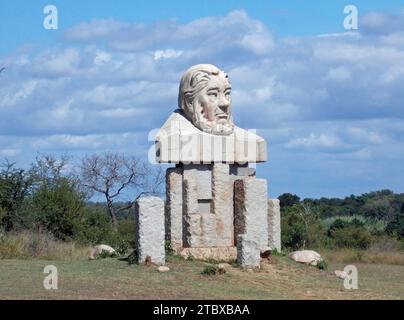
[(210, 269), (133, 258), (94, 227), (301, 228), (396, 226), (322, 265), (352, 237), (168, 248), (58, 207), (105, 254)]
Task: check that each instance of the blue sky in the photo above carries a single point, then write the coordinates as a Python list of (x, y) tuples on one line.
[(329, 102)]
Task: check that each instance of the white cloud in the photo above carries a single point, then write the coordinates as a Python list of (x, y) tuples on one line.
[(336, 97), (166, 54)]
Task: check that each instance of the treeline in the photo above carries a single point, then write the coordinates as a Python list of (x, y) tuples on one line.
[(52, 196), (354, 221)]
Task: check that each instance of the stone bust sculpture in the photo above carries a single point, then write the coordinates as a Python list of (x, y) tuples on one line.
[(205, 99)]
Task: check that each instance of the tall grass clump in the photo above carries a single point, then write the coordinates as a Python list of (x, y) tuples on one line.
[(39, 245)]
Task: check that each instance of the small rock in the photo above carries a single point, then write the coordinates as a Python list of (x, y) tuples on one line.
[(98, 249), (306, 256), (223, 268), (265, 252), (341, 274), (148, 261), (163, 269)]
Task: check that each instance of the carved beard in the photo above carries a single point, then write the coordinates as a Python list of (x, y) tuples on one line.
[(212, 127)]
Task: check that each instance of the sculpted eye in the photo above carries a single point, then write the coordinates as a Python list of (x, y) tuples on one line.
[(212, 94)]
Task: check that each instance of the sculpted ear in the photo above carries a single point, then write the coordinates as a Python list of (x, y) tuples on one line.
[(188, 102)]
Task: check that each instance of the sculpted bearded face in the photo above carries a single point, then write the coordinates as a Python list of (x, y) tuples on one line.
[(205, 99)]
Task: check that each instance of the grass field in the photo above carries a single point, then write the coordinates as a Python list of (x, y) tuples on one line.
[(114, 279)]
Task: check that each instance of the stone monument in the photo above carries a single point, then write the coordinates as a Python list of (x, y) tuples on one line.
[(212, 194)]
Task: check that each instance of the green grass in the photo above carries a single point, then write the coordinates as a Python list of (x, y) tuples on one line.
[(114, 279)]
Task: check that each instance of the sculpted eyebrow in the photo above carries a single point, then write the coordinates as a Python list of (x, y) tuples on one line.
[(213, 89)]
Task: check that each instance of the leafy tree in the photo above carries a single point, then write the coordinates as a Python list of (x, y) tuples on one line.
[(15, 185), (378, 208), (301, 227), (288, 200), (58, 207)]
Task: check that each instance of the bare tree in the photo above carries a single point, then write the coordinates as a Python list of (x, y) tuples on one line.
[(112, 174)]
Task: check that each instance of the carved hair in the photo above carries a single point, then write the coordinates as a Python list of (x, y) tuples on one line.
[(194, 80)]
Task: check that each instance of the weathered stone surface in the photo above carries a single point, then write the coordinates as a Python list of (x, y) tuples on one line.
[(274, 224), (222, 204), (191, 219), (248, 252), (215, 253), (150, 229), (193, 230), (200, 230), (306, 256), (238, 171), (251, 210), (173, 217), (202, 176), (98, 249), (179, 141)]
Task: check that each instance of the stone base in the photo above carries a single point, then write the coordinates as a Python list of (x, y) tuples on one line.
[(215, 253)]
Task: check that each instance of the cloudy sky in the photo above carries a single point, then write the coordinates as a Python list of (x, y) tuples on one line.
[(329, 101)]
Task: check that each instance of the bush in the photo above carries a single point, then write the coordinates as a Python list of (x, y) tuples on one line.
[(58, 207), (94, 227), (301, 228), (322, 265), (396, 226), (168, 248), (210, 269), (352, 237)]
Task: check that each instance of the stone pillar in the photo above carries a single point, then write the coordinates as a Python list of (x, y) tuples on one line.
[(274, 224), (248, 252), (173, 218), (150, 229), (222, 204), (251, 210)]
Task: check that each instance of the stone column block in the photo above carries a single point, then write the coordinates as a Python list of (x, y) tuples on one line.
[(251, 210), (222, 204), (248, 252), (274, 224), (150, 229)]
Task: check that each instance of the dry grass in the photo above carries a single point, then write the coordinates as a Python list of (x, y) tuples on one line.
[(373, 256), (28, 245), (114, 279)]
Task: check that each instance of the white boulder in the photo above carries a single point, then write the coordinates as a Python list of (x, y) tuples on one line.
[(306, 256), (98, 249), (163, 269)]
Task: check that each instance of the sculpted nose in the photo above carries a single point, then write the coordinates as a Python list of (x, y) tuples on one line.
[(224, 104)]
